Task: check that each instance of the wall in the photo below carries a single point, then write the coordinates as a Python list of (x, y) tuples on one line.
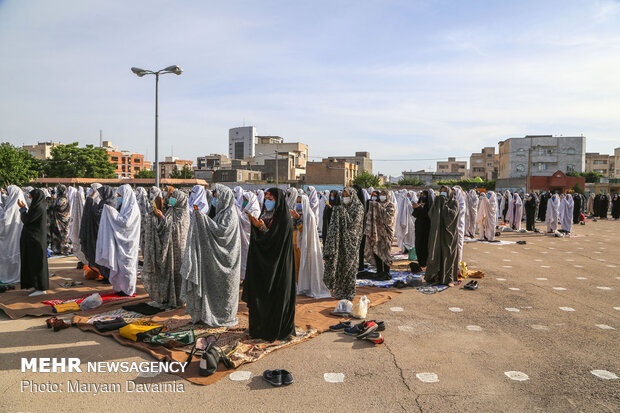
[(245, 135)]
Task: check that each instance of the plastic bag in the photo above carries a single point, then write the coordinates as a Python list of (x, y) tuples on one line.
[(360, 309), (140, 330), (344, 306), (463, 268), (90, 302), (412, 254)]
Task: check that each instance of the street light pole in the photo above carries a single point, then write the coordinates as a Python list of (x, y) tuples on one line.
[(277, 176), (142, 72)]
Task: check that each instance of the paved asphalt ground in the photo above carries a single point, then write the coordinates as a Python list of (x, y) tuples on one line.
[(556, 349)]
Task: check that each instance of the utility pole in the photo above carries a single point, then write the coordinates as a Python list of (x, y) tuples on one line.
[(276, 168)]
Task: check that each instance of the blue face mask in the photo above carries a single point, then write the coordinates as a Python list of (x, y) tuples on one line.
[(443, 193), (214, 202), (119, 201), (270, 204), (489, 196), (172, 201)]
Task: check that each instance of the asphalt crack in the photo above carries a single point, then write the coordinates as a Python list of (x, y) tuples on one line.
[(400, 370)]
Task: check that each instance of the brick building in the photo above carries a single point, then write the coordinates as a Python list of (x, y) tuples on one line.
[(330, 172), (173, 163), (127, 163), (42, 150), (485, 164), (452, 166)]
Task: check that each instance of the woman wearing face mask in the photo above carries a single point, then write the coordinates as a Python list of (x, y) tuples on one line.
[(249, 206), (379, 232), (298, 227), (118, 241), (443, 240), (342, 245), (553, 213), (212, 264), (89, 230), (59, 224), (422, 226), (33, 244), (10, 230), (269, 287), (165, 236), (331, 202)]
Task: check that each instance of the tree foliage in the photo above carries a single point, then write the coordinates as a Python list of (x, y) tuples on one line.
[(144, 174), (410, 182), (71, 161), (578, 189), (185, 173), (17, 166), (591, 176), (365, 179)]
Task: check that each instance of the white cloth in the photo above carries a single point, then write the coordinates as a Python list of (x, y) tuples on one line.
[(487, 216), (553, 212), (238, 191), (260, 195), (245, 226), (118, 241), (515, 212), (311, 268), (10, 233), (460, 198), (154, 192), (198, 197), (567, 207), (314, 203), (472, 213), (291, 197), (405, 223), (77, 208), (322, 202), (93, 190)]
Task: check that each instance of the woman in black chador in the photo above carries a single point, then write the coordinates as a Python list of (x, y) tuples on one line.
[(33, 244)]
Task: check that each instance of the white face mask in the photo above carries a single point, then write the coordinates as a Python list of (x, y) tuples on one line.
[(374, 198), (382, 198), (346, 200)]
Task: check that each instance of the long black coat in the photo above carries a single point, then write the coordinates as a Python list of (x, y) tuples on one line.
[(33, 244)]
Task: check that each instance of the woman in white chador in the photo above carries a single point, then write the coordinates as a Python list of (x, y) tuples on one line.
[(515, 212), (311, 268), (249, 204), (118, 240), (567, 207), (486, 217), (553, 211), (76, 210), (10, 233)]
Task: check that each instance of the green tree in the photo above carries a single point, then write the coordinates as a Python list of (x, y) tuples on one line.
[(578, 189), (184, 173), (17, 166), (71, 161), (144, 174), (410, 182), (365, 179), (591, 176)]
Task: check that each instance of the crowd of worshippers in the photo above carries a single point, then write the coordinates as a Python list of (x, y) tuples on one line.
[(199, 246)]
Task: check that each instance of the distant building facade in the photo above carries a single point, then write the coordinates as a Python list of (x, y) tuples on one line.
[(603, 164), (236, 175), (295, 153), (127, 163), (241, 142), (452, 166), (330, 172), (485, 164), (213, 162), (361, 159), (172, 163), (42, 150), (430, 178)]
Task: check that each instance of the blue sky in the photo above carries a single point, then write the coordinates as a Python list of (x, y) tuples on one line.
[(401, 79)]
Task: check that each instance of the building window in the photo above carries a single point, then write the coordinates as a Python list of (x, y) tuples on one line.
[(137, 168), (521, 152), (488, 155), (570, 167), (114, 159), (520, 168), (478, 160), (570, 151), (136, 160), (542, 166)]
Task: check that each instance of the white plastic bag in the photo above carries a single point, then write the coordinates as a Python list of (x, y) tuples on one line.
[(344, 307), (90, 302), (360, 309)]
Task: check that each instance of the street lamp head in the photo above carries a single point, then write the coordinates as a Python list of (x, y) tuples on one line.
[(139, 72), (174, 69)]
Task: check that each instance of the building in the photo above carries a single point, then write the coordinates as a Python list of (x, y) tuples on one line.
[(430, 178), (172, 163), (295, 153), (330, 172), (539, 155), (452, 166), (617, 163), (241, 142), (603, 164), (361, 159), (127, 163), (213, 162), (42, 150), (236, 175), (558, 182), (485, 164)]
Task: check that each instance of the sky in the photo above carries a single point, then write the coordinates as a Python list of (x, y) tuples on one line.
[(409, 81)]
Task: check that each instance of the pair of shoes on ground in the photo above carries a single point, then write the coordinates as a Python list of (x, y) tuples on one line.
[(57, 324), (367, 330), (278, 378), (472, 285), (6, 287)]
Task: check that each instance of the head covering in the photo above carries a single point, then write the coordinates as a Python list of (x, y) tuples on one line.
[(311, 268), (198, 197)]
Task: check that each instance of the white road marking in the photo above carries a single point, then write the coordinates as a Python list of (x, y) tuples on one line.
[(333, 377), (507, 266), (611, 266), (407, 329), (427, 377), (559, 288), (455, 309), (551, 248), (506, 260), (544, 252), (597, 252), (500, 279), (604, 288), (538, 260), (240, 375), (474, 328), (604, 327), (397, 309), (512, 310), (539, 327), (567, 309), (604, 374), (617, 308), (582, 278), (516, 375), (578, 266), (545, 266), (541, 279), (514, 289), (579, 248)]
